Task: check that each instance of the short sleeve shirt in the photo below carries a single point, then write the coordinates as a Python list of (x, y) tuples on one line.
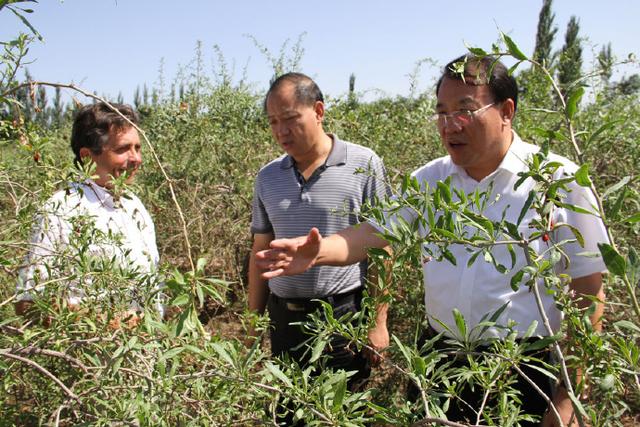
[(287, 205)]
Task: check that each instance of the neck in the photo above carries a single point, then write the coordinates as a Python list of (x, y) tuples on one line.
[(317, 155), (501, 150)]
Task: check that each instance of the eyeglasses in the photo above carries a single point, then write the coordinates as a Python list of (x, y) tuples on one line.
[(460, 117)]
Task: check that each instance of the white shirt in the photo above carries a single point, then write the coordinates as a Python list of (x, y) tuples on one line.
[(480, 289), (119, 230)]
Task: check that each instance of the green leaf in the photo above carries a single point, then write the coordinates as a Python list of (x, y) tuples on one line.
[(612, 259), (318, 348), (633, 218), (526, 206), (180, 300), (516, 279), (603, 128), (625, 324), (223, 353), (340, 390), (615, 187), (577, 404), (514, 50), (460, 323), (419, 366), (276, 372), (543, 342), (200, 294), (472, 259), (28, 24), (575, 208), (572, 103), (170, 354), (200, 264), (582, 176), (445, 192), (449, 256), (477, 51)]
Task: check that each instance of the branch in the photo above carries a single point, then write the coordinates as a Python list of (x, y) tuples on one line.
[(556, 347), (35, 350), (43, 371)]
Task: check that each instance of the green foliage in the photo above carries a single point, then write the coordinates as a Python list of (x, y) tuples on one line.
[(96, 366)]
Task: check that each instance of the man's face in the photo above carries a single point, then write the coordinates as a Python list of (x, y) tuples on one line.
[(121, 153), (479, 145), (294, 126)]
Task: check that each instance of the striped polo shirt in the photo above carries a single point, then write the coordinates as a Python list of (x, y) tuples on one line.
[(287, 205)]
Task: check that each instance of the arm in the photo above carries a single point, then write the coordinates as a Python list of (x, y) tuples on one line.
[(379, 334), (590, 285), (294, 256), (258, 289)]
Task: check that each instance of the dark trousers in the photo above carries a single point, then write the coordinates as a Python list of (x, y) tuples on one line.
[(532, 402), (285, 337)]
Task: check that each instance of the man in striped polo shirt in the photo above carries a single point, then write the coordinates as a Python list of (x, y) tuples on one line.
[(313, 184)]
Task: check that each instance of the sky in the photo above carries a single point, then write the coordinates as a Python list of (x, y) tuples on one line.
[(110, 46)]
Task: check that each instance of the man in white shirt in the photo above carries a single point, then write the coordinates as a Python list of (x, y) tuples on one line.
[(93, 222), (474, 114)]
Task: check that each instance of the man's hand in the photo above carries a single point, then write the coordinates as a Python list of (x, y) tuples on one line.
[(289, 256), (378, 340), (563, 404)]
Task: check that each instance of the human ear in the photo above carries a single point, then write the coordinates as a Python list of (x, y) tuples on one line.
[(318, 107), (507, 110), (85, 152)]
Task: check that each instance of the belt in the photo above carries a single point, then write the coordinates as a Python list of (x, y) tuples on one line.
[(312, 304)]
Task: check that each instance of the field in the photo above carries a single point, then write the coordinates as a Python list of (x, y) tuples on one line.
[(202, 151)]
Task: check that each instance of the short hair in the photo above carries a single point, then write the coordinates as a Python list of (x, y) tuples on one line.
[(483, 70), (94, 122), (307, 91)]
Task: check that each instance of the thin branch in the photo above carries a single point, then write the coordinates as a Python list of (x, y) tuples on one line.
[(43, 371), (35, 350), (556, 346)]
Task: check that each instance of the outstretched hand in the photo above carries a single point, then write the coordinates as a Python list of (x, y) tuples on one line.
[(287, 257)]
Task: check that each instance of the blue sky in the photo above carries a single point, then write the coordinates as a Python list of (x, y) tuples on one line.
[(110, 46)]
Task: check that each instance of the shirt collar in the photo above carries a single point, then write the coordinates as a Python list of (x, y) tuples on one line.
[(515, 160), (337, 155), (100, 194)]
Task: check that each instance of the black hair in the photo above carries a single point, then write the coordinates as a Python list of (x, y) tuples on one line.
[(94, 122), (483, 70)]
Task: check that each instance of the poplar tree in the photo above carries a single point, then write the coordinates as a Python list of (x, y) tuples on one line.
[(605, 62), (545, 34), (40, 109), (570, 64), (137, 100), (57, 108)]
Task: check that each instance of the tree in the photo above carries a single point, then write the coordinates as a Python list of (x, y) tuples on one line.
[(41, 110), (545, 35), (57, 109), (352, 93), (629, 85), (137, 100), (570, 66), (605, 62)]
